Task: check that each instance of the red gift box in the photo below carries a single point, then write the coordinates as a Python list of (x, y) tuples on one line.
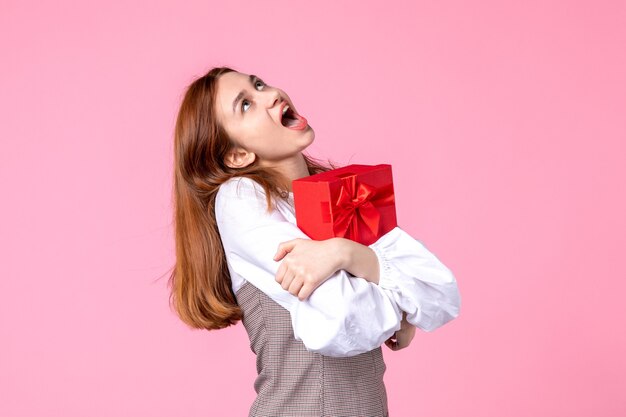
[(355, 202)]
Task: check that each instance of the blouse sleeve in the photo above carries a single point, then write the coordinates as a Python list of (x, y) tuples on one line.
[(344, 316), (418, 282)]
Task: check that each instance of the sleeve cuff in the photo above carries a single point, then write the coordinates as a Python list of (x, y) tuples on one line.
[(386, 271)]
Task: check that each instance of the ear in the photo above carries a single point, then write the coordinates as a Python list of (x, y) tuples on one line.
[(238, 158)]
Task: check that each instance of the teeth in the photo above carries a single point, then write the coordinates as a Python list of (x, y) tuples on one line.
[(285, 108)]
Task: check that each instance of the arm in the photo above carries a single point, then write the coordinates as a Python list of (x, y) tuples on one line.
[(359, 260), (419, 283), (402, 338), (362, 261), (344, 316)]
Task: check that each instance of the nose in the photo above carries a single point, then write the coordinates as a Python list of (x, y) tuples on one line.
[(274, 98)]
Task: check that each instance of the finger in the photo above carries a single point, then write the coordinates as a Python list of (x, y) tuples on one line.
[(280, 254), (289, 276), (305, 292), (296, 285), (280, 274), (393, 341), (391, 344), (284, 248)]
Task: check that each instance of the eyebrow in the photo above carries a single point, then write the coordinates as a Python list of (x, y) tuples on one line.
[(252, 79)]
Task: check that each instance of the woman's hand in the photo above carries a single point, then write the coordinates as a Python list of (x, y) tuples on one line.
[(307, 264), (402, 338)]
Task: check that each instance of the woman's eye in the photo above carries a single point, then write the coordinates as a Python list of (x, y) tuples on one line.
[(243, 102)]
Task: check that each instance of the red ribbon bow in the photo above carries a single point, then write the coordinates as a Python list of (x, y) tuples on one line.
[(355, 208)]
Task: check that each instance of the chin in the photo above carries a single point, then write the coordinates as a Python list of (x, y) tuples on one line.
[(308, 138), (310, 134)]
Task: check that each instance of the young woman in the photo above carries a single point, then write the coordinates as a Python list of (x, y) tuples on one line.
[(316, 312)]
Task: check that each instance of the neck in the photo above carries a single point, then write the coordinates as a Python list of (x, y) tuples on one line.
[(295, 168)]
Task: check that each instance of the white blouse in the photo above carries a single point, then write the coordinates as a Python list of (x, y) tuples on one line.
[(345, 315)]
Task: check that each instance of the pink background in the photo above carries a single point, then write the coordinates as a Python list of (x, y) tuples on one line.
[(504, 124)]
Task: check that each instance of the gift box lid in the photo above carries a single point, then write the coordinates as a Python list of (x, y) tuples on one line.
[(345, 171)]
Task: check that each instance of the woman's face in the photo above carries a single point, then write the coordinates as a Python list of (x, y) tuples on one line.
[(250, 112)]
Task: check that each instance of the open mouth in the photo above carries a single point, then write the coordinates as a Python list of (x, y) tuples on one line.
[(292, 120)]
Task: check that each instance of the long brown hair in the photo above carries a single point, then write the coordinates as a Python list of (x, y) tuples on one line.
[(201, 292)]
